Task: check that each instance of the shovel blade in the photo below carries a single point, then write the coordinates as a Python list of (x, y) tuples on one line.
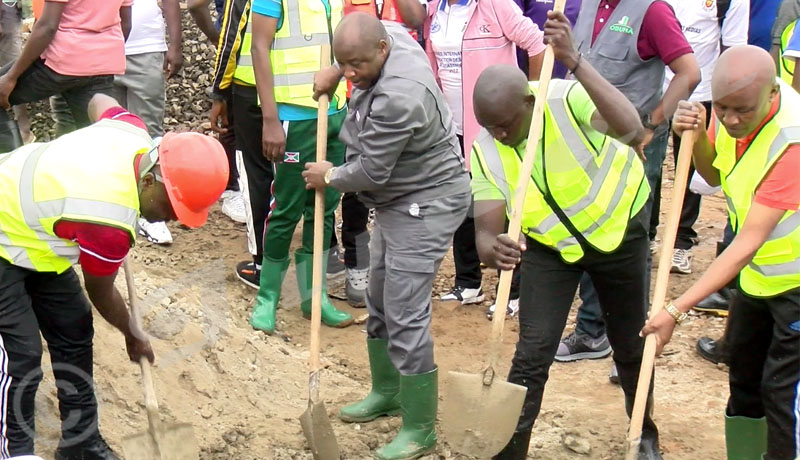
[(170, 442), (478, 420), (319, 433)]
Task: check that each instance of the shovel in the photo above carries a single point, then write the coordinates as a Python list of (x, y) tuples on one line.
[(660, 292), (316, 425), (481, 413), (160, 441)]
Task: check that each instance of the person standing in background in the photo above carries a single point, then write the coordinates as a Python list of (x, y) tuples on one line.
[(10, 46), (458, 51), (149, 62), (536, 11)]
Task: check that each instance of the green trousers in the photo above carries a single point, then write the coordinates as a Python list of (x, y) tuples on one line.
[(291, 200)]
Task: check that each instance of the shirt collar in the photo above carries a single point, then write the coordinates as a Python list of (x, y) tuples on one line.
[(443, 4)]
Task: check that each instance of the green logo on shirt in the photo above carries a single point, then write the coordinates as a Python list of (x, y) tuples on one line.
[(622, 26)]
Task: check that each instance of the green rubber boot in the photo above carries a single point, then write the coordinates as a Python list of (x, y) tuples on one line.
[(745, 438), (269, 292), (418, 401), (384, 399), (330, 315)]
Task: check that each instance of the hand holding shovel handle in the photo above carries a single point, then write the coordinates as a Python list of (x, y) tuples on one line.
[(660, 291)]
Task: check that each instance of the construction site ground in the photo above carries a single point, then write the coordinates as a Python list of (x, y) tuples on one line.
[(243, 390)]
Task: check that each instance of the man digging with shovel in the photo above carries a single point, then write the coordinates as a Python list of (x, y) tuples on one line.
[(751, 149), (403, 159), (77, 200), (584, 211)]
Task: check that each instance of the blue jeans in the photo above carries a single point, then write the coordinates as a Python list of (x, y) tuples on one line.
[(590, 316)]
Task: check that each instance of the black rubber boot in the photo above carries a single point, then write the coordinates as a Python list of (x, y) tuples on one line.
[(10, 139), (712, 350)]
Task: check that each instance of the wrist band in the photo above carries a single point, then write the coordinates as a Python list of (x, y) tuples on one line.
[(676, 314), (577, 64)]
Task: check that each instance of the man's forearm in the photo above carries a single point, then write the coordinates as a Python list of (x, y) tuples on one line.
[(126, 22), (38, 41), (113, 309), (172, 16), (265, 83), (351, 177), (679, 89)]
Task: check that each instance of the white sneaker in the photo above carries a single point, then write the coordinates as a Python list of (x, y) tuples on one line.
[(464, 295), (228, 194), (233, 207), (681, 261), (155, 232), (511, 310)]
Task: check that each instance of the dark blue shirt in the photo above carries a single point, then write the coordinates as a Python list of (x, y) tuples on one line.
[(537, 10)]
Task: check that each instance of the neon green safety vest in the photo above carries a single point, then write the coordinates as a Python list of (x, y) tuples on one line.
[(786, 67), (775, 268), (84, 176), (596, 188), (296, 51)]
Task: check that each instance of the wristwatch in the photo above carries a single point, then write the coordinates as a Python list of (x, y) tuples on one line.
[(327, 176), (647, 123), (676, 314)]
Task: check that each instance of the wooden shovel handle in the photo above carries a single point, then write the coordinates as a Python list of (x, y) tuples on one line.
[(319, 232), (660, 291), (534, 136), (150, 400)]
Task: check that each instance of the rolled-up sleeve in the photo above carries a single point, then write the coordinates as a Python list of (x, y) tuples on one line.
[(392, 120)]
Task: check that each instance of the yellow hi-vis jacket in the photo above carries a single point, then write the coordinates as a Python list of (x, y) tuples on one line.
[(578, 190), (85, 176), (786, 67), (775, 268), (296, 51)]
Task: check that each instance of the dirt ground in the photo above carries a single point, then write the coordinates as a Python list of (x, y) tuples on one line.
[(243, 390)]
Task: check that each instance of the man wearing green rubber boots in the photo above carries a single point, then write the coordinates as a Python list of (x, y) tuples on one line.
[(287, 39), (404, 160)]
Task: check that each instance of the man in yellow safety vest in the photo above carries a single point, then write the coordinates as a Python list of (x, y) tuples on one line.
[(584, 212), (751, 149), (77, 200)]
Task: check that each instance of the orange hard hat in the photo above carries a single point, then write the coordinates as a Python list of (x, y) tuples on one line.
[(195, 172)]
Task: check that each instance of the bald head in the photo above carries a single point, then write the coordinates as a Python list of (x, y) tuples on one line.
[(361, 45), (503, 103), (743, 87)]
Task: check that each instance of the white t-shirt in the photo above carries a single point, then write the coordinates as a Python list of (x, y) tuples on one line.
[(701, 28), (147, 28), (447, 34)]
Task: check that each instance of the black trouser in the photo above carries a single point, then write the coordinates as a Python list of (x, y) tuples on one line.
[(228, 141), (763, 339), (548, 288), (39, 82), (355, 236), (255, 178), (465, 251), (30, 303), (690, 210)]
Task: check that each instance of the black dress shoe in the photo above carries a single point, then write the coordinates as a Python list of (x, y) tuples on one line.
[(94, 448), (717, 303), (711, 350)]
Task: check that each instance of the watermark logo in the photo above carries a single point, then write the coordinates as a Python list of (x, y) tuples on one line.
[(622, 26)]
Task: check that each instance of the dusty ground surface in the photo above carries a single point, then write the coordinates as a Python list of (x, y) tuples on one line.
[(243, 390)]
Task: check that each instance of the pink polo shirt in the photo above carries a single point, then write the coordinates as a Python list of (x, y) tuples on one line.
[(89, 39)]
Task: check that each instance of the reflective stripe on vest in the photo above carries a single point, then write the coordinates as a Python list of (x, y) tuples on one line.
[(296, 53), (43, 189), (786, 67), (597, 200), (775, 268)]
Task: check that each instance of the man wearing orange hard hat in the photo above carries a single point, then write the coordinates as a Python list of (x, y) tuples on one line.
[(77, 200)]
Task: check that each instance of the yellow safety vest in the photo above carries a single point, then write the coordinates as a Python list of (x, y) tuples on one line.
[(84, 176), (596, 189), (296, 51), (775, 268), (786, 67)]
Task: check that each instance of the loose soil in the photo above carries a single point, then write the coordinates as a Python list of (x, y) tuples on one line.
[(243, 390)]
